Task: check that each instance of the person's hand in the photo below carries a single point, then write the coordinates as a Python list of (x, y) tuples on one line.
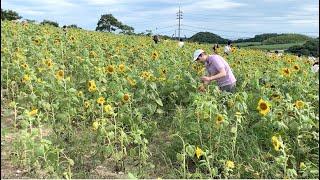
[(205, 79)]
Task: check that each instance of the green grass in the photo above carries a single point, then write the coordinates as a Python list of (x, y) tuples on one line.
[(245, 44), (273, 46)]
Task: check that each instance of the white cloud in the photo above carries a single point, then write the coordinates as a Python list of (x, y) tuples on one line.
[(212, 4)]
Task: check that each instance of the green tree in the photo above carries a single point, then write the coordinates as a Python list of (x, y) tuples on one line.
[(9, 15), (127, 29), (287, 38), (108, 23), (50, 23), (73, 26), (207, 37), (30, 21), (311, 47)]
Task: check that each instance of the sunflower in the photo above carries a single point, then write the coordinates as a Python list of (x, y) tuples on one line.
[(110, 69), (95, 125), (302, 165), (108, 109), (26, 78), (91, 83), (145, 75), (126, 97), (198, 152), (155, 55), (92, 54), (276, 143), (286, 72), (37, 41), (80, 93), (101, 100), (33, 112), (122, 68), (275, 97), (86, 104), (59, 74), (92, 86), (132, 82), (296, 67), (25, 65), (229, 164), (48, 62), (219, 119), (263, 107), (163, 72), (56, 41), (299, 104)]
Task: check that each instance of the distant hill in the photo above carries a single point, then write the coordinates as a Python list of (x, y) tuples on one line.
[(310, 48), (274, 38), (257, 38), (287, 38), (207, 37)]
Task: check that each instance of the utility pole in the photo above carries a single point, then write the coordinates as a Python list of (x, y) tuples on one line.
[(179, 16)]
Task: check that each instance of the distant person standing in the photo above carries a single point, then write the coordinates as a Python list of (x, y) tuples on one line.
[(180, 43), (215, 48), (64, 28), (315, 67), (227, 48), (156, 39)]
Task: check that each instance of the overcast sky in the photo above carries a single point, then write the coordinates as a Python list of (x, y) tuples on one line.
[(227, 18)]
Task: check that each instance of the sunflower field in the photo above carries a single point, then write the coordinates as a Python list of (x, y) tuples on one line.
[(90, 104)]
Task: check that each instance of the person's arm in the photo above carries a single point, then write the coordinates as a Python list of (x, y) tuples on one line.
[(220, 74)]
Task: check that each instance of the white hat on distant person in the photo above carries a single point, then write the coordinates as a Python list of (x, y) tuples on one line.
[(197, 53)]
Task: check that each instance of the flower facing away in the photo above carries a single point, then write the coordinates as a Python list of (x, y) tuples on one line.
[(33, 112), (276, 143), (229, 164), (95, 125)]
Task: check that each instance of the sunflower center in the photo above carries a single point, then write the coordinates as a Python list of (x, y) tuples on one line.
[(263, 106)]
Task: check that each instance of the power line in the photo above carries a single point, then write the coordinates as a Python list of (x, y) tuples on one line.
[(245, 21), (179, 14), (166, 31), (221, 30), (158, 28), (195, 14)]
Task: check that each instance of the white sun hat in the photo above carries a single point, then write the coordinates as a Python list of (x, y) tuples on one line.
[(197, 53)]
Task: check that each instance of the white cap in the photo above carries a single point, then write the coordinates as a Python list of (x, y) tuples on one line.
[(197, 53)]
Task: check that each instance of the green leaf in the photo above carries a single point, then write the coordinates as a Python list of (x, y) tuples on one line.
[(131, 176), (153, 86), (72, 90), (159, 102), (190, 150), (180, 157), (160, 111)]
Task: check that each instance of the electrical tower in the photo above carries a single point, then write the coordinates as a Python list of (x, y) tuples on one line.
[(179, 16)]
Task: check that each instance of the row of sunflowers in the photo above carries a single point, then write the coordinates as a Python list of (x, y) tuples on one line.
[(125, 100)]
